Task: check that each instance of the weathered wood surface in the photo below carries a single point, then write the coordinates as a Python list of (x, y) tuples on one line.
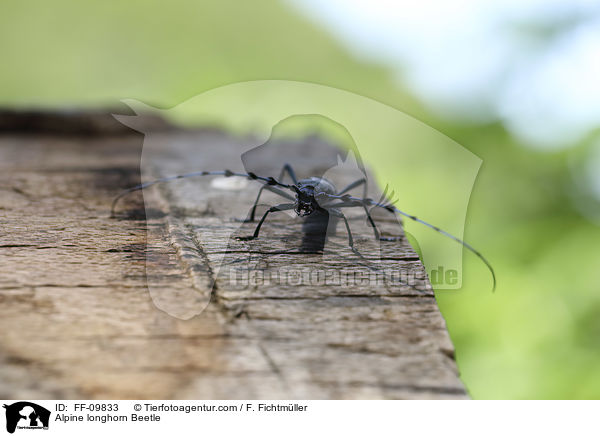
[(86, 302)]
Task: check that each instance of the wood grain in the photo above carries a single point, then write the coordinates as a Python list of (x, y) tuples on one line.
[(147, 305)]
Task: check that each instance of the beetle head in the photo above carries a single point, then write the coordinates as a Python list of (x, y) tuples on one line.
[(305, 200)]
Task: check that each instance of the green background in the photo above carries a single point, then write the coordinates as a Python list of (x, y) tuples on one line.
[(538, 336)]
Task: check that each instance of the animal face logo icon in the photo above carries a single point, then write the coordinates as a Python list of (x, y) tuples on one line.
[(26, 415), (318, 131)]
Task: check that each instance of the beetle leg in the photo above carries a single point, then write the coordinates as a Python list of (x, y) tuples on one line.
[(286, 168), (279, 207)]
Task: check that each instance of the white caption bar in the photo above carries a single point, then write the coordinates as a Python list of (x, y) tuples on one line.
[(24, 417)]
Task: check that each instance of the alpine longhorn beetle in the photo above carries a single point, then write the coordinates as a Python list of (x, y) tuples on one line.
[(312, 195)]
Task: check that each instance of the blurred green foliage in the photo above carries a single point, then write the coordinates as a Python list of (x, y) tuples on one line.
[(538, 336)]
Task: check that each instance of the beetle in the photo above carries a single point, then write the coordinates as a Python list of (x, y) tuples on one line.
[(313, 198)]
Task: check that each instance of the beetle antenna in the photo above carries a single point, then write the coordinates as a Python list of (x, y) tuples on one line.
[(349, 201), (270, 181)]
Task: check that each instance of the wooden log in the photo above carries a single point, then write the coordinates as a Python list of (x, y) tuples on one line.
[(160, 302)]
